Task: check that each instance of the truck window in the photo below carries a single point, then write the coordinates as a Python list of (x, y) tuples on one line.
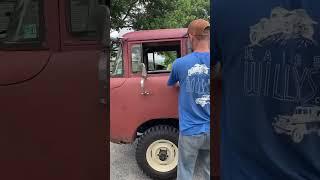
[(136, 57), (161, 60), (159, 57), (116, 61), (19, 21), (81, 12)]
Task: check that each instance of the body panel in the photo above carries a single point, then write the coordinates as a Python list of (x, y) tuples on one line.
[(52, 126)]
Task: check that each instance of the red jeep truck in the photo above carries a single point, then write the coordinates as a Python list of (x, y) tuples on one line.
[(141, 105), (52, 94)]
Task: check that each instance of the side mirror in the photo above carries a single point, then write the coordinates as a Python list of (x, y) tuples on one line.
[(144, 73)]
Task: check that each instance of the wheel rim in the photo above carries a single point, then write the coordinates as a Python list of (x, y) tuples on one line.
[(162, 155)]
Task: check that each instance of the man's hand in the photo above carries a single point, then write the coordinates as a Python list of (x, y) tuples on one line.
[(177, 85)]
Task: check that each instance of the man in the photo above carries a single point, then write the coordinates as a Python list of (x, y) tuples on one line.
[(192, 73), (270, 56)]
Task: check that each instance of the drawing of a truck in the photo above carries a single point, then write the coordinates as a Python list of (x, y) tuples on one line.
[(204, 100), (305, 120)]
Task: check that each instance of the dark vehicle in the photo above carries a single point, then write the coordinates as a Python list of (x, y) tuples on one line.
[(52, 89)]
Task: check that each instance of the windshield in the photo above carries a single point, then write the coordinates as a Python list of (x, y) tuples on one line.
[(116, 62)]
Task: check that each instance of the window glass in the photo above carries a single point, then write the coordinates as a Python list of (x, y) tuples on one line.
[(161, 60), (136, 57), (19, 21), (81, 12), (116, 61)]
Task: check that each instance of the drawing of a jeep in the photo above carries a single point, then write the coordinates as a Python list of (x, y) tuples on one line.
[(287, 24), (205, 99), (305, 120), (198, 69)]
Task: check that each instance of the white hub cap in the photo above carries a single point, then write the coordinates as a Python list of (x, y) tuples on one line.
[(162, 155)]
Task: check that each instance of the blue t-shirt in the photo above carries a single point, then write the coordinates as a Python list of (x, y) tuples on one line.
[(193, 74), (270, 56)]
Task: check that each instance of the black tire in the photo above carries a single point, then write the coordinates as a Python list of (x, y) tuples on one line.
[(153, 134)]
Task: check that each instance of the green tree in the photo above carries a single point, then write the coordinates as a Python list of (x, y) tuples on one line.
[(157, 14)]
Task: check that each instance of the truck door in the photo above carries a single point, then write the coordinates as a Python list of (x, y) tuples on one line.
[(52, 122), (23, 51), (149, 99)]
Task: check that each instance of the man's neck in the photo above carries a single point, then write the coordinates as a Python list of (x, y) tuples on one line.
[(203, 47), (201, 50)]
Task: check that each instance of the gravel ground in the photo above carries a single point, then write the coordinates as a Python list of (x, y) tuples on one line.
[(123, 164)]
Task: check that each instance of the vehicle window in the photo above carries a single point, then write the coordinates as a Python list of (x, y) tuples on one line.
[(159, 56), (19, 21), (161, 60), (81, 17), (136, 57), (116, 61)]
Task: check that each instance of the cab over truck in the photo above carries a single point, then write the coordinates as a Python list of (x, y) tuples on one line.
[(141, 105), (52, 89)]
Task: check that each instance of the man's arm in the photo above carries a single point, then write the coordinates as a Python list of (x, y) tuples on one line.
[(173, 78)]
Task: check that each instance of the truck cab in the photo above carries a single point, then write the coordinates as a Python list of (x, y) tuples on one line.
[(142, 107)]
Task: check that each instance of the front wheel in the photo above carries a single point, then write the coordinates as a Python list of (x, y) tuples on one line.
[(297, 135), (157, 152)]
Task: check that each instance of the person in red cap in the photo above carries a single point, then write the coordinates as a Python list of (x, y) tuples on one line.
[(192, 72)]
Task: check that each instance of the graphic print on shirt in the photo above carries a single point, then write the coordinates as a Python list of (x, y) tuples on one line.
[(198, 82), (304, 120), (272, 68), (282, 26)]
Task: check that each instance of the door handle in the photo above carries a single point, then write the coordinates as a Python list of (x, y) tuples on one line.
[(143, 90)]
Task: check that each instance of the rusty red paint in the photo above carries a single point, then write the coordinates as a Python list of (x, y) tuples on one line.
[(52, 126), (128, 108), (159, 34)]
